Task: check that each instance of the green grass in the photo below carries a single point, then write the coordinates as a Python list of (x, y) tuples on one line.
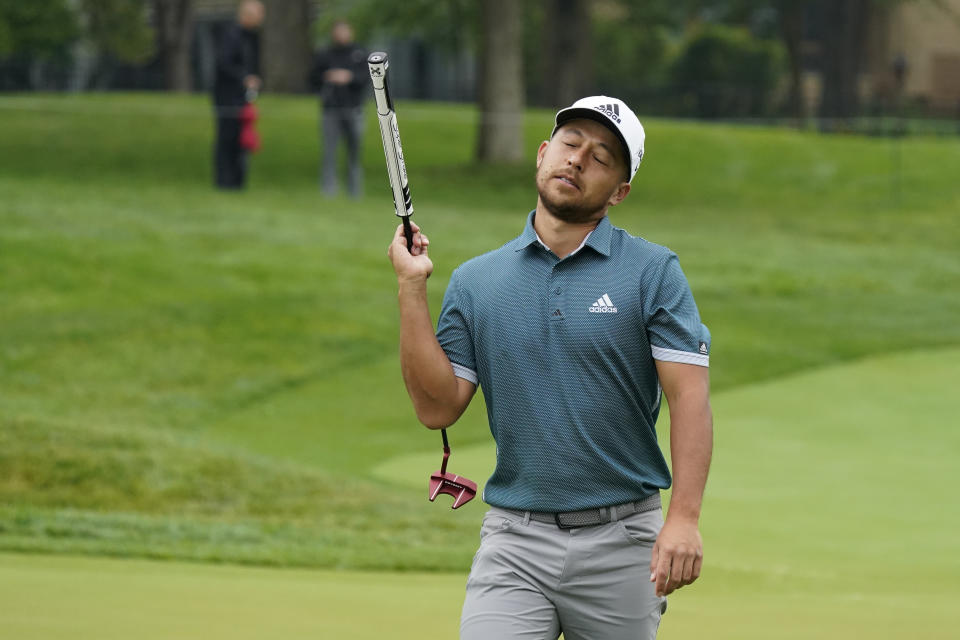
[(811, 530), (97, 599), (812, 516), (128, 493), (816, 476), (187, 374)]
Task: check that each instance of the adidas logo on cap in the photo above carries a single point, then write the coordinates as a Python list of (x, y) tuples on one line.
[(612, 111)]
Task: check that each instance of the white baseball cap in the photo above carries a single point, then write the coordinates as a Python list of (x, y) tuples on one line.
[(614, 114)]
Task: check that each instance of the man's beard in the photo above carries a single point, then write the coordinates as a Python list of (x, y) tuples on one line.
[(572, 212)]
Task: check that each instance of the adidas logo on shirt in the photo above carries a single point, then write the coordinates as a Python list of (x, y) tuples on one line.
[(612, 111), (603, 305)]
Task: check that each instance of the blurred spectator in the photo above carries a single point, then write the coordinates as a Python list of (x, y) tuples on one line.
[(339, 75), (238, 76)]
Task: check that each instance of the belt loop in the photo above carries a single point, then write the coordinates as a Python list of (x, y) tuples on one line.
[(526, 518), (614, 513)]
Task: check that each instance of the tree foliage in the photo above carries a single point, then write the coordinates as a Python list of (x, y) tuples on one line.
[(633, 45), (728, 72), (39, 29), (449, 25), (119, 28)]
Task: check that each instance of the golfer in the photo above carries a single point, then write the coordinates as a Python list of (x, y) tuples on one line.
[(572, 329)]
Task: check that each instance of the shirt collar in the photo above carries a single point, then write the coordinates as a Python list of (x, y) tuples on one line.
[(598, 239)]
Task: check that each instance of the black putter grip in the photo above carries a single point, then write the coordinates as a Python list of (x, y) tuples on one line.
[(446, 445), (408, 232)]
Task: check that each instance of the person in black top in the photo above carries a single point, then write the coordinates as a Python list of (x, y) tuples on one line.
[(238, 72), (339, 75)]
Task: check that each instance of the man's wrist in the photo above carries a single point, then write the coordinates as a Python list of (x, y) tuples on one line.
[(684, 513), (412, 284)]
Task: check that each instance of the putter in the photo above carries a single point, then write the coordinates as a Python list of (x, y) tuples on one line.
[(441, 481), (460, 488), (390, 134)]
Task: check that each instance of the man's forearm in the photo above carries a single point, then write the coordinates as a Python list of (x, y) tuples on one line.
[(691, 448), (426, 369)]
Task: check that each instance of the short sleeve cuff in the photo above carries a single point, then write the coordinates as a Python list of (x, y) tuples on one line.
[(685, 357), (463, 372)]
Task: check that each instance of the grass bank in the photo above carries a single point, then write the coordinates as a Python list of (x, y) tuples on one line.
[(192, 374)]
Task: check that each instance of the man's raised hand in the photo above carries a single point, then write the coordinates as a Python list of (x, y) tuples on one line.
[(413, 264)]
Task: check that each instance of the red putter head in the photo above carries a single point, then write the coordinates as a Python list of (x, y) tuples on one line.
[(460, 488)]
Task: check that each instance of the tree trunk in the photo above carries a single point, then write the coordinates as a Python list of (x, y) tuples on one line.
[(500, 78), (566, 67), (791, 31), (174, 19), (287, 49), (845, 21)]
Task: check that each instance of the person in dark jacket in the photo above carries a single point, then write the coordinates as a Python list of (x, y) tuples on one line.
[(339, 75), (238, 72)]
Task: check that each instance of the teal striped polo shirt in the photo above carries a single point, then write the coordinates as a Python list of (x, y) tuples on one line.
[(564, 352)]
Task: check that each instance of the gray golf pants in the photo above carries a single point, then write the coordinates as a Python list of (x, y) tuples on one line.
[(533, 580), (345, 123)]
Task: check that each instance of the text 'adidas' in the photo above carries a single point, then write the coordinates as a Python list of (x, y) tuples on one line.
[(603, 305)]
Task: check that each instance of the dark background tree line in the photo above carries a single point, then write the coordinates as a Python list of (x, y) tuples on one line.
[(702, 58)]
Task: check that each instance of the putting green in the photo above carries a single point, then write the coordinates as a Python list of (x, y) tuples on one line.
[(824, 487), (876, 406), (47, 597), (53, 597)]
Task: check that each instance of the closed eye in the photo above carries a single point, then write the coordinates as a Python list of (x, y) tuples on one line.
[(600, 161)]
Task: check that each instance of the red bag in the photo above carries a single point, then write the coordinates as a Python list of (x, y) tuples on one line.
[(249, 138)]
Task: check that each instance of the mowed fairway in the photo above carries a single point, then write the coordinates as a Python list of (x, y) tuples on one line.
[(188, 375)]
